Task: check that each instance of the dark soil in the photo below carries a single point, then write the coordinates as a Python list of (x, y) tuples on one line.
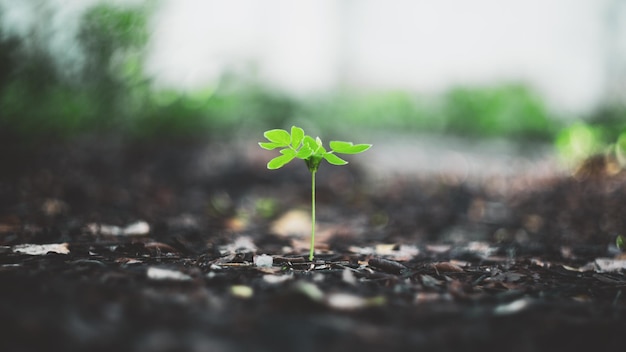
[(513, 263)]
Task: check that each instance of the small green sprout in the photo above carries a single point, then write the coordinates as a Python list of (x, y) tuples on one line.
[(298, 145), (619, 242)]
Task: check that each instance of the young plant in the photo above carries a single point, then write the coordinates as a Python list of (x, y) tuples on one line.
[(297, 145)]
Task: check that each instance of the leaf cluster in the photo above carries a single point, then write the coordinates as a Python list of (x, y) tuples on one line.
[(301, 146)]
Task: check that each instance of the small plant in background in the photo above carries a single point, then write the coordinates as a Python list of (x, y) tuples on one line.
[(298, 145)]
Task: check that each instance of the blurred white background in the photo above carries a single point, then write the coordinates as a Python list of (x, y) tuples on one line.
[(571, 51)]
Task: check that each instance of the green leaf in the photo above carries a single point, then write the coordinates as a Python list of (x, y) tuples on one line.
[(334, 159), (310, 142), (319, 147), (288, 151), (279, 161), (278, 136), (297, 134), (619, 242), (304, 152), (269, 145), (348, 147)]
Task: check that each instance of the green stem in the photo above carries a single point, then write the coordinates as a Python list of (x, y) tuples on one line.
[(312, 250)]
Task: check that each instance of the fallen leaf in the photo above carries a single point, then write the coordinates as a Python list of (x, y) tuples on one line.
[(138, 228), (289, 260), (609, 280), (447, 267), (582, 269), (508, 276), (426, 297), (160, 248), (348, 276), (273, 270), (387, 265), (241, 291), (166, 274), (310, 290), (242, 244), (482, 249), (42, 249), (237, 223), (277, 279), (609, 265), (346, 301), (512, 307), (430, 281), (293, 223), (397, 252), (107, 230), (438, 248)]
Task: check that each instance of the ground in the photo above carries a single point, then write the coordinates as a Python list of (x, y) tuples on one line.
[(162, 248)]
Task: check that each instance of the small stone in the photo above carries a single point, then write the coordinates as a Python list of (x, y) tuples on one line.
[(263, 261)]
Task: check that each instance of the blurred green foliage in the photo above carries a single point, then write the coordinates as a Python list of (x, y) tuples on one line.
[(507, 110), (113, 40), (578, 141), (511, 110), (111, 93), (603, 132), (39, 101)]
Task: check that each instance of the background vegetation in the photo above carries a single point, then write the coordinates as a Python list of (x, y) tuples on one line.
[(40, 101)]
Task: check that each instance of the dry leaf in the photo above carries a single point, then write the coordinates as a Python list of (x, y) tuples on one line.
[(241, 244), (138, 228), (241, 291), (609, 265), (386, 265), (166, 274), (348, 276), (42, 249), (447, 267), (277, 279), (293, 223), (346, 301), (512, 307)]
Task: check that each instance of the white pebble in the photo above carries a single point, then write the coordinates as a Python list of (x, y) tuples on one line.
[(263, 260)]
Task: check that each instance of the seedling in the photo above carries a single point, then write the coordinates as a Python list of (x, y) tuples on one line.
[(298, 145)]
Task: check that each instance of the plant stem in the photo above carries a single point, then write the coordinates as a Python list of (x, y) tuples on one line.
[(312, 250)]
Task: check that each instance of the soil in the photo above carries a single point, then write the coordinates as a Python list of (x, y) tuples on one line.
[(161, 248)]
